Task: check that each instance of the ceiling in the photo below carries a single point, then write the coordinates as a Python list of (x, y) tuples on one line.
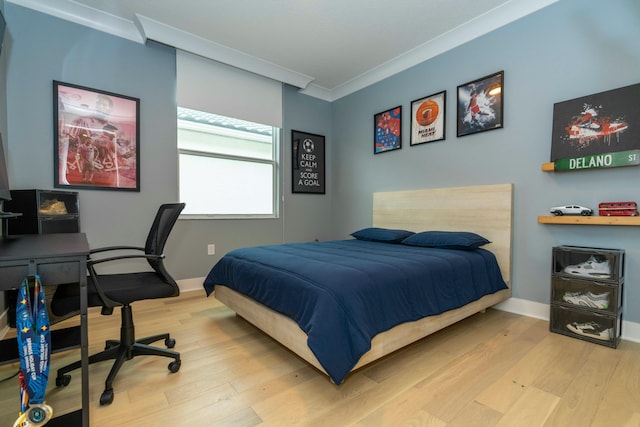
[(329, 48)]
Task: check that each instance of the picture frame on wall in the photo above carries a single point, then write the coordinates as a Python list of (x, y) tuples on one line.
[(480, 104), (428, 118), (387, 130), (600, 130), (96, 139), (308, 163)]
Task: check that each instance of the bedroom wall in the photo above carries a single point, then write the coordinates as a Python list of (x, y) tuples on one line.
[(567, 50), (46, 49)]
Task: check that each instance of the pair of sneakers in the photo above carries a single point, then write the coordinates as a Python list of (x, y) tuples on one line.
[(594, 267), (591, 329), (587, 299)]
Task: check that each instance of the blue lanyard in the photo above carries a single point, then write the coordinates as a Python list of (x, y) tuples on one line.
[(34, 347)]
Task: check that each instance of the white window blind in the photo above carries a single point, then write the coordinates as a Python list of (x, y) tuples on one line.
[(207, 85)]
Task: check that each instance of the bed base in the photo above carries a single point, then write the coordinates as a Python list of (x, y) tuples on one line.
[(287, 332)]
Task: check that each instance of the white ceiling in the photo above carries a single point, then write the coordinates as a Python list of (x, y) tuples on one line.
[(330, 48)]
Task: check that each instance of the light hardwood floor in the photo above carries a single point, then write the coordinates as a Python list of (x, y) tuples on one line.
[(493, 369)]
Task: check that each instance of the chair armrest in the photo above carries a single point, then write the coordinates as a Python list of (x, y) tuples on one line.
[(116, 258), (115, 248)]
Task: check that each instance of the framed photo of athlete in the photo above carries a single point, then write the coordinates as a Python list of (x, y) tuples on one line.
[(480, 104), (428, 118), (387, 135), (96, 139)]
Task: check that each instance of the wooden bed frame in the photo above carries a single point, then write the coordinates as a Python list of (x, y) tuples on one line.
[(483, 209)]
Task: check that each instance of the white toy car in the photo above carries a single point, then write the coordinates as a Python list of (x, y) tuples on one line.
[(571, 210)]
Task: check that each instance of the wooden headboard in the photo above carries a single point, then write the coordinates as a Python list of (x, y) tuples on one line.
[(483, 209)]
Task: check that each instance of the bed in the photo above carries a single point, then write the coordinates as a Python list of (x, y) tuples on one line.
[(309, 314)]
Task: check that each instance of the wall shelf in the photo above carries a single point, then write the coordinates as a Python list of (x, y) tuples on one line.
[(589, 220)]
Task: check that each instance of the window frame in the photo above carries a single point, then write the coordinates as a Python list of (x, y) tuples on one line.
[(275, 162)]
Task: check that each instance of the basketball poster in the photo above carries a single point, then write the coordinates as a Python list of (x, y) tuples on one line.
[(427, 119)]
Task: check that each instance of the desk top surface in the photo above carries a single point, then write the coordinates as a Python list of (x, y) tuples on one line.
[(43, 246)]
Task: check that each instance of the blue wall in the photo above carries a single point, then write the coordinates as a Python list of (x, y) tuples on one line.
[(567, 50)]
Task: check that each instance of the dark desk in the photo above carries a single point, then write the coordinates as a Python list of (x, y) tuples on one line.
[(5, 217), (57, 259)]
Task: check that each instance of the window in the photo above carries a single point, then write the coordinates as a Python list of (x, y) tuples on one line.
[(228, 167)]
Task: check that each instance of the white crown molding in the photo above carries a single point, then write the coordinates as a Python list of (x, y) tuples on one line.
[(318, 92), (166, 34), (85, 16), (145, 28), (489, 21)]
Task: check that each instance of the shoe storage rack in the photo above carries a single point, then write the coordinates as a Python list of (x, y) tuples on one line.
[(586, 293)]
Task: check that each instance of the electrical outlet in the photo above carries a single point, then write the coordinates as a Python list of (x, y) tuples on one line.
[(211, 249)]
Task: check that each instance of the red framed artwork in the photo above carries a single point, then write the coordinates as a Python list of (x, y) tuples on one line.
[(96, 138)]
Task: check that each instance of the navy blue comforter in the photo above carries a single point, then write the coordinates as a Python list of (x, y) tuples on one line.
[(343, 293)]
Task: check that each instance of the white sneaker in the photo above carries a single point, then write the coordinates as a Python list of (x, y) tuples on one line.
[(591, 329), (590, 268), (587, 299)]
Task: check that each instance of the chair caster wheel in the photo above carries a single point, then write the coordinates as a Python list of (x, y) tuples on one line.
[(174, 366), (106, 397), (170, 342), (63, 381)]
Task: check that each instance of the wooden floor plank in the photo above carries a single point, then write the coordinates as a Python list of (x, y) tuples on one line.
[(533, 408)]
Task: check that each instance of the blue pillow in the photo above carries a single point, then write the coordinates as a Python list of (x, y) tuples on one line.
[(446, 239), (375, 234)]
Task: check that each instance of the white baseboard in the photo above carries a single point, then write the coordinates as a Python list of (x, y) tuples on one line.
[(630, 330), (525, 307), (188, 285)]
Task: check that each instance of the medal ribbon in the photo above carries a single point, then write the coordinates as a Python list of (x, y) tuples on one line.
[(34, 344)]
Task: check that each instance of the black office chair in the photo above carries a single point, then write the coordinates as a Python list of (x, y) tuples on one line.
[(111, 290)]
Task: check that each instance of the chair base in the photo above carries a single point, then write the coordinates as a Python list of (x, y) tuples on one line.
[(125, 349)]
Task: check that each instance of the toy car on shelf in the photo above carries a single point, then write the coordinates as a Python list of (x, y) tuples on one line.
[(618, 209), (571, 210)]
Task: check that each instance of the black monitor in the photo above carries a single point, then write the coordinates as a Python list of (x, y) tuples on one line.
[(3, 25), (5, 194)]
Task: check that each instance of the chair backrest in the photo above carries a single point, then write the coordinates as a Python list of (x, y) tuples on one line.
[(163, 223)]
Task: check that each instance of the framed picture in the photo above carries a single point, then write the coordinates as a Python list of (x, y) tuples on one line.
[(308, 168), (387, 134), (480, 104), (96, 138), (600, 130), (428, 118)]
